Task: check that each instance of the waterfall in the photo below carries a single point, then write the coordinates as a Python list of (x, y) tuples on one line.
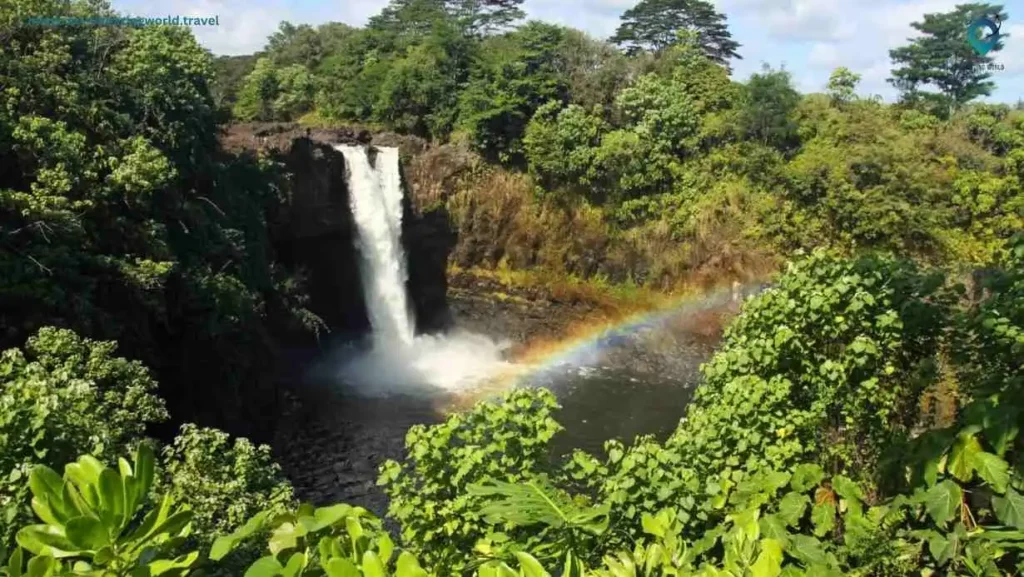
[(375, 194), (399, 361)]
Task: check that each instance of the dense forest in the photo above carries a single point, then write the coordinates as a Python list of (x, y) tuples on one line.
[(860, 417)]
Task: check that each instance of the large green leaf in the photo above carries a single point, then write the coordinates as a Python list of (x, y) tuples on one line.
[(84, 472), (87, 533), (46, 540), (993, 470), (74, 504), (42, 566), (342, 567), (372, 565), (536, 501), (769, 561), (792, 507), (145, 467), (325, 517), (807, 550), (45, 483), (161, 566), (224, 544), (823, 515), (16, 562), (172, 525), (267, 566), (296, 563), (806, 476), (385, 548), (111, 492), (408, 566), (529, 566), (943, 546), (151, 520), (847, 488), (1009, 508), (943, 501), (962, 457), (773, 527), (285, 536), (496, 569)]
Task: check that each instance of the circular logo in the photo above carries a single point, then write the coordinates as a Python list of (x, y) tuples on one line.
[(983, 34)]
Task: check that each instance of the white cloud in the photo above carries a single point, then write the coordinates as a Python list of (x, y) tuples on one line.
[(1012, 54), (243, 28), (892, 20), (821, 20), (358, 12), (600, 18)]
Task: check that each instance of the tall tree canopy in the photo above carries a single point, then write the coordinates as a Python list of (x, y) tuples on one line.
[(655, 25), (474, 17), (942, 58)]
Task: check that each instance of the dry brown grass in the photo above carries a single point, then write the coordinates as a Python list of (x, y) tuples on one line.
[(575, 252)]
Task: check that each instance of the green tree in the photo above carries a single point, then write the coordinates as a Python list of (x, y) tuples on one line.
[(941, 58), (561, 147), (293, 44), (420, 89), (258, 93), (515, 74), (296, 90), (594, 69), (768, 110), (408, 21), (228, 74), (119, 216), (842, 85), (656, 24), (483, 17)]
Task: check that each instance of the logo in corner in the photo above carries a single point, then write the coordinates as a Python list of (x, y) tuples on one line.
[(983, 34)]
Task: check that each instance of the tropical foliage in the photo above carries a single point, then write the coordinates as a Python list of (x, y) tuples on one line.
[(860, 417)]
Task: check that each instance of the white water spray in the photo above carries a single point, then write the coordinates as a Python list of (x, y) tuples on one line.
[(400, 361)]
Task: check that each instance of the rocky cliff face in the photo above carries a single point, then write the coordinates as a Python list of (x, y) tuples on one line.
[(314, 232)]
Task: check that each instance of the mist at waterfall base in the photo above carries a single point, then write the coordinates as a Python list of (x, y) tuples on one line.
[(395, 360)]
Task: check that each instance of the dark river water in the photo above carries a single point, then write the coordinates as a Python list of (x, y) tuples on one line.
[(637, 381)]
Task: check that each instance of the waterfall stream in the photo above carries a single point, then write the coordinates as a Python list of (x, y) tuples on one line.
[(398, 360), (375, 195)]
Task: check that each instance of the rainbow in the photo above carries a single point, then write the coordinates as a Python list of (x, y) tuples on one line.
[(587, 347)]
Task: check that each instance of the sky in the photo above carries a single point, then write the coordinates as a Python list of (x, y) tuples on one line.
[(809, 38)]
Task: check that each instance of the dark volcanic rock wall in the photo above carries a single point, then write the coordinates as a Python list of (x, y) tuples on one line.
[(317, 235)]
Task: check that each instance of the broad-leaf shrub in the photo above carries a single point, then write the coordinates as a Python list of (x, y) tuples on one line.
[(507, 440), (337, 541), (561, 528), (827, 365), (96, 521), (61, 397), (224, 483)]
